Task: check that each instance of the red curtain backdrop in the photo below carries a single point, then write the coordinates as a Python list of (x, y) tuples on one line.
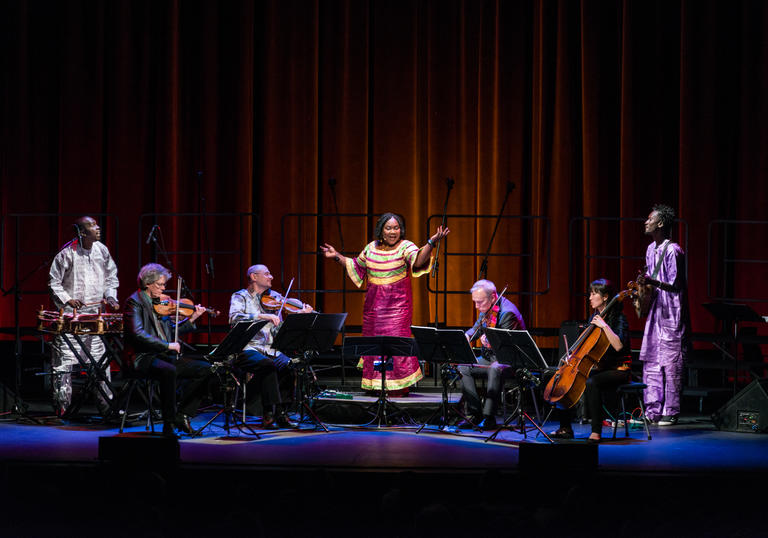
[(591, 108)]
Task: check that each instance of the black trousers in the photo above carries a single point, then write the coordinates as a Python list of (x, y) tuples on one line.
[(191, 376), (495, 373), (270, 375), (600, 390)]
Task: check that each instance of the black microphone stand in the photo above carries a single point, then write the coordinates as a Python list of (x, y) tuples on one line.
[(20, 408), (210, 273), (435, 267), (160, 247), (332, 185), (484, 265)]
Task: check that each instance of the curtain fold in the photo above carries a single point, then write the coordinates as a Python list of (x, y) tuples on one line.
[(299, 107)]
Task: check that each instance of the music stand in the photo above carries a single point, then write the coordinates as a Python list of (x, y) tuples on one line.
[(222, 357), (444, 346), (732, 314), (306, 335), (517, 350), (385, 347)]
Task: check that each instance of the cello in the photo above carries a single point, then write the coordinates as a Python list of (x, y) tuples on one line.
[(568, 384)]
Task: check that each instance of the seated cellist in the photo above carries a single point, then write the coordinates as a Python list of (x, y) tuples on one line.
[(611, 371)]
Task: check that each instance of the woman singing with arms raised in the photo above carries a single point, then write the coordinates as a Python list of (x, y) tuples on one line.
[(388, 306)]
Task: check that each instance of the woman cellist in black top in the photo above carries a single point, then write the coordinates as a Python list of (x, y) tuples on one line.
[(611, 371)]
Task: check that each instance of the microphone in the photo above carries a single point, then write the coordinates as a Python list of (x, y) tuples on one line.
[(151, 235), (450, 182)]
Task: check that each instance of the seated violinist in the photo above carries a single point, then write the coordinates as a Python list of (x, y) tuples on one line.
[(611, 371), (270, 368), (503, 315), (150, 349)]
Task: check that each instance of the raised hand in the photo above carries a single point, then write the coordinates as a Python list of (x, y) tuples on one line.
[(328, 250)]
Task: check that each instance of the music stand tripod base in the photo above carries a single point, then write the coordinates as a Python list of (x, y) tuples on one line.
[(385, 347), (450, 348), (306, 335), (223, 356), (517, 350)]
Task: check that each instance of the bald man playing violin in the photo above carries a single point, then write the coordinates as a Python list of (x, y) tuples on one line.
[(270, 368), (150, 350)]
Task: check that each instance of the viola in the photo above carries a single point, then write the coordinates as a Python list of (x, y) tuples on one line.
[(185, 307), (481, 322), (567, 385)]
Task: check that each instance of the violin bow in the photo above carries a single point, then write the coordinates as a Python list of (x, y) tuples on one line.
[(178, 301), (285, 298)]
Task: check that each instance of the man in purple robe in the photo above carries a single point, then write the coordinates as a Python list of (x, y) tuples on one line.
[(666, 338)]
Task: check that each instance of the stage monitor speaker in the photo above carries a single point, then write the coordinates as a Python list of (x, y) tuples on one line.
[(153, 450), (558, 457), (747, 411)]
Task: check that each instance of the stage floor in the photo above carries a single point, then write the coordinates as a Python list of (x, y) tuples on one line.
[(341, 482), (692, 446)]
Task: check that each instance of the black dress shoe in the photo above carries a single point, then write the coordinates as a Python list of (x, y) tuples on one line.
[(562, 433), (169, 430), (268, 422), (488, 423), (183, 424), (283, 421)]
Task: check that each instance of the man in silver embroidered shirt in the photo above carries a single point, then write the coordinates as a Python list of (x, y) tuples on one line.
[(82, 276)]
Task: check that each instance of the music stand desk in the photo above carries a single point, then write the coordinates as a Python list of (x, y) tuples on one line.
[(443, 345), (515, 348), (236, 339), (303, 332), (732, 312)]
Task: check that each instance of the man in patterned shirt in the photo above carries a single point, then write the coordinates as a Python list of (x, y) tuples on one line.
[(269, 367)]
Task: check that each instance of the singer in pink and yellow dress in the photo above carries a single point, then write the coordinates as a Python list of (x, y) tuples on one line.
[(388, 306)]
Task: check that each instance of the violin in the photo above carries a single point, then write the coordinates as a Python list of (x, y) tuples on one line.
[(273, 305), (567, 385), (185, 307)]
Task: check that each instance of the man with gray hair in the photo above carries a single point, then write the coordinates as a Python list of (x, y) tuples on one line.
[(269, 367), (82, 277), (151, 351), (502, 315)]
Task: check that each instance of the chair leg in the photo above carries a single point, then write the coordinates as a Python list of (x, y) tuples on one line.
[(624, 414), (645, 420), (150, 411), (127, 404)]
